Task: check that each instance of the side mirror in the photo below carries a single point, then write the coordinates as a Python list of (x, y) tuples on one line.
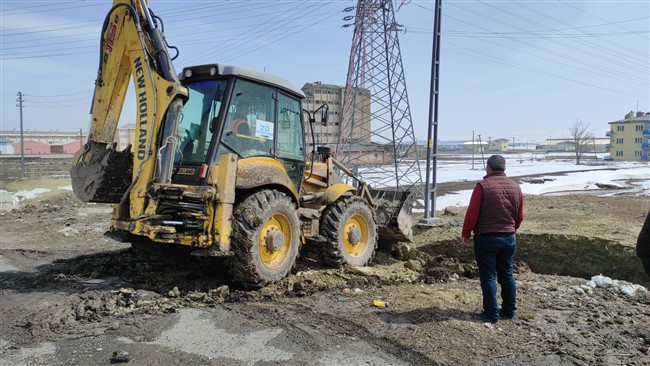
[(324, 114)]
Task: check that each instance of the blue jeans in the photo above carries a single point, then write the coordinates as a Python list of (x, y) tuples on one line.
[(494, 254)]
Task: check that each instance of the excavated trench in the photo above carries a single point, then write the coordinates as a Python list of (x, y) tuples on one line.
[(569, 255)]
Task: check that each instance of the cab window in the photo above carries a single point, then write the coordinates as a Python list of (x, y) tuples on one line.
[(290, 134), (249, 127), (197, 116)]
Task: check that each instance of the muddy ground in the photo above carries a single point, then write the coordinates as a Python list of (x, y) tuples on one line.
[(68, 296)]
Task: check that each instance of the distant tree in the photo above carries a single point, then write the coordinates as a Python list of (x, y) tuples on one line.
[(582, 138)]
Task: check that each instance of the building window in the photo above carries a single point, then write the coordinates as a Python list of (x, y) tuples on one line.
[(619, 153), (639, 128), (638, 140), (620, 128), (637, 153), (619, 140)]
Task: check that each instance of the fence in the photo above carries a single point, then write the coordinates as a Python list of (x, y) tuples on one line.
[(36, 167)]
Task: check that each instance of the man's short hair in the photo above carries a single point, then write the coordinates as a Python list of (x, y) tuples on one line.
[(497, 163)]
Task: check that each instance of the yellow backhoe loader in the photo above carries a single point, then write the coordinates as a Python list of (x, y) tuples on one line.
[(219, 165)]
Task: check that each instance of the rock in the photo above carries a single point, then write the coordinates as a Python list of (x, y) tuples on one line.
[(175, 292), (402, 251), (452, 210), (601, 281), (219, 294), (587, 289), (69, 231), (196, 295), (120, 357), (127, 291), (413, 265)]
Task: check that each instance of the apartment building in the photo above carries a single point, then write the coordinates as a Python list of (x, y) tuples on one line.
[(630, 137), (316, 94)]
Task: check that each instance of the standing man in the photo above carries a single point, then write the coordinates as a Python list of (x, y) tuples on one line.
[(496, 209)]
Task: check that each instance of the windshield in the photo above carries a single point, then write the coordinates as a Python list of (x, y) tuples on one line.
[(253, 126), (196, 119)]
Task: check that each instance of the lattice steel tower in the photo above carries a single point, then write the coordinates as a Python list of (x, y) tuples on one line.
[(376, 138)]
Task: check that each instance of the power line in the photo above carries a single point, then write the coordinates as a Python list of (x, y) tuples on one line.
[(8, 12), (618, 45), (452, 33), (616, 24), (59, 95), (556, 53), (541, 72), (573, 48)]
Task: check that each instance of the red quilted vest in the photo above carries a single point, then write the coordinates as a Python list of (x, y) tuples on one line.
[(500, 204)]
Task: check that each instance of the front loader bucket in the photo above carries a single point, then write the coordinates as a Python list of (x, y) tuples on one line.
[(394, 215), (101, 174)]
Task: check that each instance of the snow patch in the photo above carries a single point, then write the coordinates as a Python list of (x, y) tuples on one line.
[(27, 195)]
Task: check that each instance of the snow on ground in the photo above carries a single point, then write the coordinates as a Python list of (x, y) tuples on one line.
[(584, 177), (575, 178), (26, 195), (17, 197)]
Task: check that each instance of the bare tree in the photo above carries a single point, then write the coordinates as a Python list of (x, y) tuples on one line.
[(582, 137)]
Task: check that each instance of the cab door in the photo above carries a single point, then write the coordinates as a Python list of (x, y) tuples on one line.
[(290, 139)]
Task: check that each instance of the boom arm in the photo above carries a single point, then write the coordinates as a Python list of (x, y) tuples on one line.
[(131, 46)]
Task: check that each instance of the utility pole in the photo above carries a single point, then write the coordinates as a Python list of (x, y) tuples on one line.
[(473, 147), (432, 141), (20, 101), (480, 146)]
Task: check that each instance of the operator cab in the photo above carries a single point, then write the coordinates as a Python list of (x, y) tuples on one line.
[(235, 110)]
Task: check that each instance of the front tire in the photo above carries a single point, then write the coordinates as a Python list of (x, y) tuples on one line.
[(351, 232), (266, 238)]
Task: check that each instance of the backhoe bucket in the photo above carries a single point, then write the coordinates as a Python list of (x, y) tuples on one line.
[(101, 174), (394, 215)]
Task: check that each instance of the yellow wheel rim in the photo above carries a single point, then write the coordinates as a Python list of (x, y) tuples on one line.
[(355, 235), (275, 241)]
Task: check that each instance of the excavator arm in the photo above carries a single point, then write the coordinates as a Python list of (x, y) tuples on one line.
[(132, 47)]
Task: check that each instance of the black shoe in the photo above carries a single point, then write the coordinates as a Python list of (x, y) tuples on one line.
[(506, 316), (485, 318)]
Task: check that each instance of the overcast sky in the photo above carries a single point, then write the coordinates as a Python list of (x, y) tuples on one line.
[(522, 69)]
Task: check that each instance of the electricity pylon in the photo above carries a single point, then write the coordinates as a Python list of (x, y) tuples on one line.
[(376, 138)]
